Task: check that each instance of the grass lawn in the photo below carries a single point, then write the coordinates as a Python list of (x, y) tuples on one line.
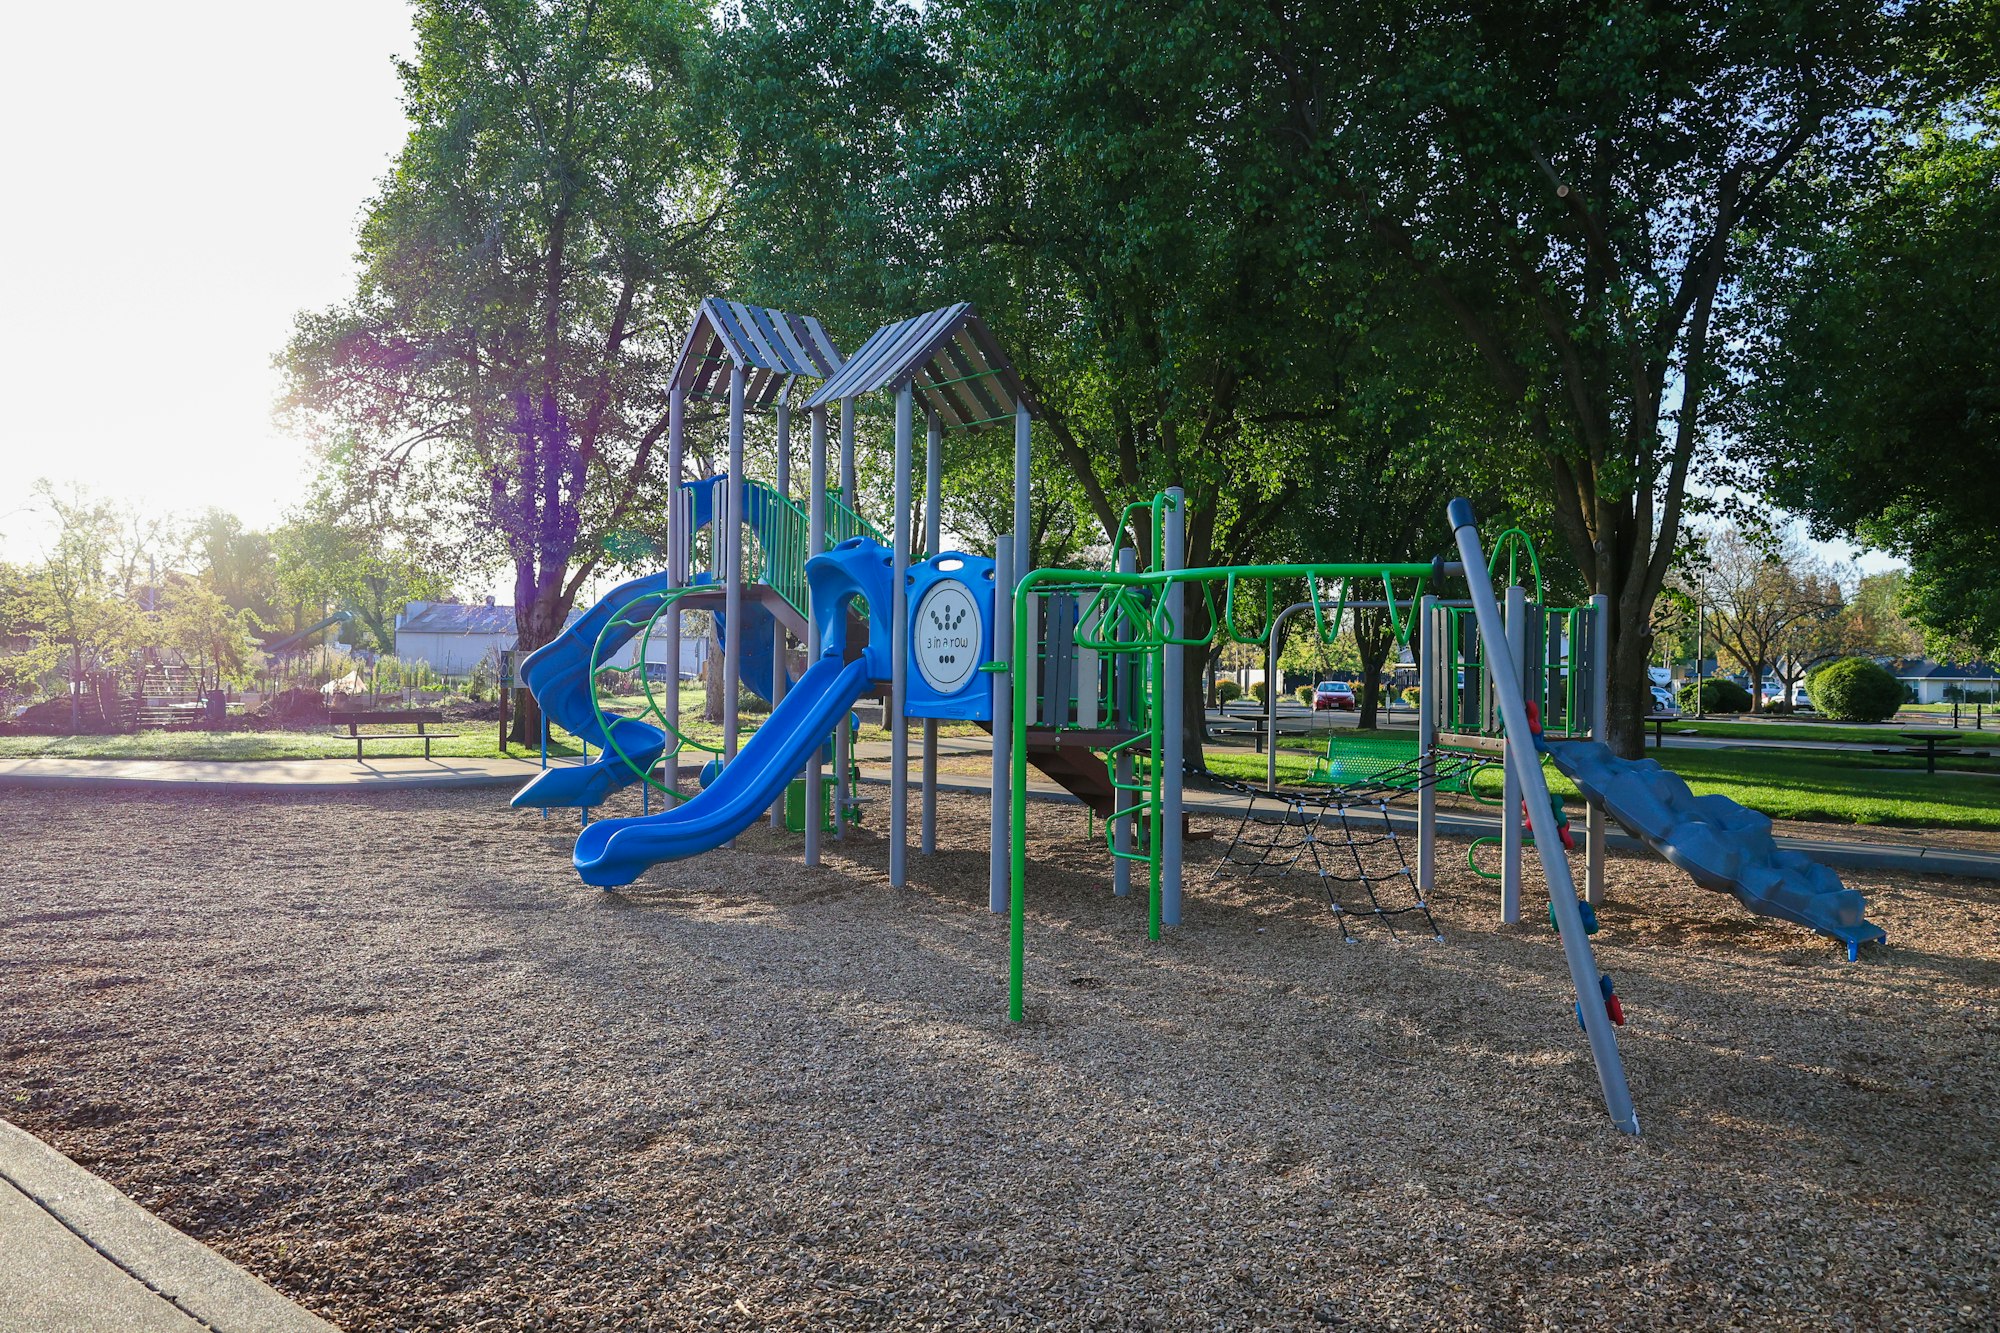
[(1784, 784)]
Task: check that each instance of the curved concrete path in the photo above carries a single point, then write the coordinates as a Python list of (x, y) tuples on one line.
[(76, 1256)]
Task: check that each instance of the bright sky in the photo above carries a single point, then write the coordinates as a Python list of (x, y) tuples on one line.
[(184, 179)]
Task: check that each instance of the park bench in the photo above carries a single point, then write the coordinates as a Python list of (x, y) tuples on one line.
[(420, 718)]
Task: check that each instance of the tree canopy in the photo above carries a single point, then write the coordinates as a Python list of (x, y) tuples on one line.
[(1878, 401)]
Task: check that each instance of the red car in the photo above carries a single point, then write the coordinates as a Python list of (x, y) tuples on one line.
[(1334, 694)]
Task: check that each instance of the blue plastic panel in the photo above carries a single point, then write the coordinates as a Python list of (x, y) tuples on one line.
[(951, 637)]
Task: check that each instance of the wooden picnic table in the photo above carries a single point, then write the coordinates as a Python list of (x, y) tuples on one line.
[(1930, 739)]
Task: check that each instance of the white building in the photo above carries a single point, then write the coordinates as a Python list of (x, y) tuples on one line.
[(454, 637)]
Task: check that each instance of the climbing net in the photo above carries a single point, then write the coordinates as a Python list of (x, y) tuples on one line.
[(1345, 838)]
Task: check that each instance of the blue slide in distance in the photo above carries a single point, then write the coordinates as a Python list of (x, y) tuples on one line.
[(1725, 847), (613, 852), (558, 674)]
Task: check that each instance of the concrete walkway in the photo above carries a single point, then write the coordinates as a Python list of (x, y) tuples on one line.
[(76, 1256), (1838, 852), (310, 775), (265, 775)]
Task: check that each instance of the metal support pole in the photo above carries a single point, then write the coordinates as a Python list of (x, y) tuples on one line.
[(1562, 889), (815, 543), (1122, 831), (678, 539), (899, 647), (933, 534), (843, 735), (1172, 671), (729, 529), (1600, 718), (1023, 533), (779, 674), (1519, 754), (1431, 677), (1003, 721)]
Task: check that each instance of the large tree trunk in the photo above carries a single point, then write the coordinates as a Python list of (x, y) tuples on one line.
[(539, 612), (1630, 689), (1373, 639)]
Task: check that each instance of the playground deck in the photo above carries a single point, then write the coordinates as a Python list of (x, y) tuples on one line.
[(387, 1053)]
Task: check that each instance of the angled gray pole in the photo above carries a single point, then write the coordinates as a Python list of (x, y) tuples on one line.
[(1520, 753), (899, 647), (1172, 672), (1583, 972), (843, 735), (997, 865), (1432, 671), (1600, 727), (1023, 534), (815, 543), (678, 538), (1121, 833), (730, 529), (933, 533), (847, 453), (778, 641)]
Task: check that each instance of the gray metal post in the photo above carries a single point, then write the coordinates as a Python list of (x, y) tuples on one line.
[(899, 647), (729, 529), (1583, 972), (1600, 718), (1122, 832), (1429, 680), (1023, 533), (1519, 754), (933, 533), (1172, 671), (815, 543), (678, 538), (843, 736), (778, 639), (997, 866)]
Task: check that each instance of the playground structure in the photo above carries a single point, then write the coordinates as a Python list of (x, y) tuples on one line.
[(1079, 672)]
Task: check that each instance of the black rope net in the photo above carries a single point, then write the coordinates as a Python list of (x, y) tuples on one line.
[(1345, 838)]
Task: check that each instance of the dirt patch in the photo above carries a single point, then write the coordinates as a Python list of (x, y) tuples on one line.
[(389, 1054)]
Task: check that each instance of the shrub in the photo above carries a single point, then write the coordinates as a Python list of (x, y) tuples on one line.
[(1304, 694), (1855, 689), (1717, 696), (1227, 691), (1261, 691)]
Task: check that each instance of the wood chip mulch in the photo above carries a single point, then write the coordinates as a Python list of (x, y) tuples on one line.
[(388, 1053)]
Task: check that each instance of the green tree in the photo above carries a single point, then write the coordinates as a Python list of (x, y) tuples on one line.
[(1878, 405), (1120, 198), (236, 564), (74, 602), (347, 547), (1569, 183), (526, 267)]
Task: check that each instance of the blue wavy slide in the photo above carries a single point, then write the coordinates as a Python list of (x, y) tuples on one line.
[(1723, 846), (558, 674), (614, 852)]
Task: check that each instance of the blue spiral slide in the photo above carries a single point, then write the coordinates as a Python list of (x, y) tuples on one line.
[(612, 852)]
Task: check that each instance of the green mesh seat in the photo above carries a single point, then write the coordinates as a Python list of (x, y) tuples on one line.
[(1353, 758)]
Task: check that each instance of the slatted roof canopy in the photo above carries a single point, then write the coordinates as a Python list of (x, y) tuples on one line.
[(953, 364), (771, 345)]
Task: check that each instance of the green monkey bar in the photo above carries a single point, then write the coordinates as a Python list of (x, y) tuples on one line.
[(1131, 617)]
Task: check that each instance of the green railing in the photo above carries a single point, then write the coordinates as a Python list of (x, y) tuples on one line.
[(775, 539)]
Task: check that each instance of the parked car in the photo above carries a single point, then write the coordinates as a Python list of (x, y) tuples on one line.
[(1334, 694), (1664, 701)]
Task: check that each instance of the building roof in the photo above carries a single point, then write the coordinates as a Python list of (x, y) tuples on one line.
[(1923, 668), (772, 346), (463, 618), (951, 360)]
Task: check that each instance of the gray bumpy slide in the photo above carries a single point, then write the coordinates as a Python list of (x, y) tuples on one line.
[(1725, 847)]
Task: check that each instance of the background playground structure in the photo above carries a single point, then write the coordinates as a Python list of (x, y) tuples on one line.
[(1083, 679)]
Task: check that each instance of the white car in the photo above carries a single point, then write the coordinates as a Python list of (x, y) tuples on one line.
[(1664, 701)]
